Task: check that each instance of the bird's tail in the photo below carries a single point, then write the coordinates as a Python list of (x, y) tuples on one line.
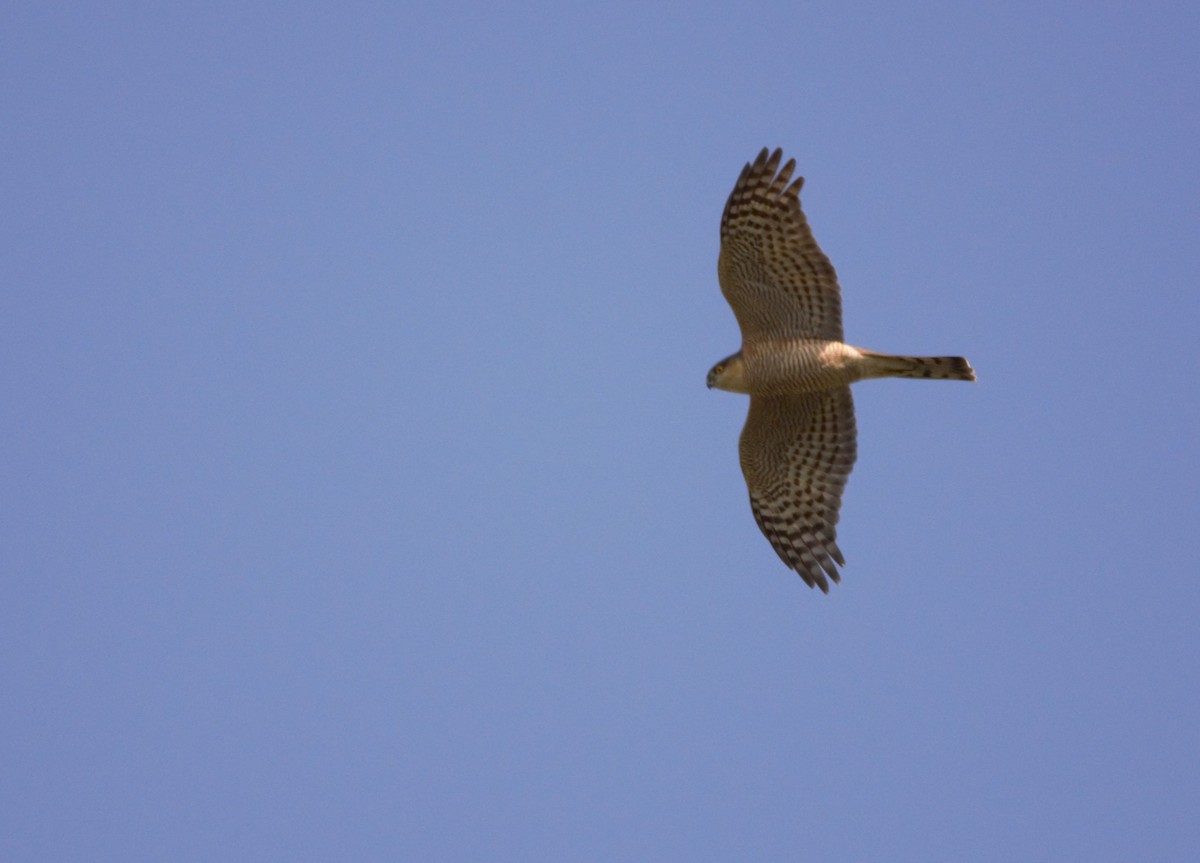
[(922, 368)]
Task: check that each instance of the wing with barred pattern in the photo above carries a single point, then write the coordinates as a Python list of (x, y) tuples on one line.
[(797, 452), (772, 272)]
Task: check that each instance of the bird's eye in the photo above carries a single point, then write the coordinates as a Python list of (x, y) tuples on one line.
[(718, 368)]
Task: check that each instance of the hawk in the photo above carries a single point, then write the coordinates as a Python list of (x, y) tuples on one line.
[(799, 443)]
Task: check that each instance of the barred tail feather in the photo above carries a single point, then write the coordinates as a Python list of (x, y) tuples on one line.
[(922, 368)]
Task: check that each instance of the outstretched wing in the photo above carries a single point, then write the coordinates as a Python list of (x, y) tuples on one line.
[(797, 452), (772, 272)]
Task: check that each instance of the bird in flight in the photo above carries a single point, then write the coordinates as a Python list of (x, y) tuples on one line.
[(799, 442)]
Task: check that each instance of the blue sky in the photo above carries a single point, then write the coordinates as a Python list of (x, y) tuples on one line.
[(363, 498)]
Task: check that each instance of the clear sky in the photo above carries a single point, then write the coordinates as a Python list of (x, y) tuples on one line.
[(363, 500)]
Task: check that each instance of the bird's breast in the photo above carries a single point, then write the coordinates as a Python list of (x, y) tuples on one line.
[(780, 367)]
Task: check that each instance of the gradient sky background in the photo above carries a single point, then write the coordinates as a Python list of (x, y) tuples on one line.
[(363, 500)]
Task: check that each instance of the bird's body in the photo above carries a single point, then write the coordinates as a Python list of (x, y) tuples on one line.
[(778, 367), (788, 366), (799, 442)]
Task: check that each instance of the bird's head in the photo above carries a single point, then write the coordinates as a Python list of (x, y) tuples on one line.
[(729, 374)]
